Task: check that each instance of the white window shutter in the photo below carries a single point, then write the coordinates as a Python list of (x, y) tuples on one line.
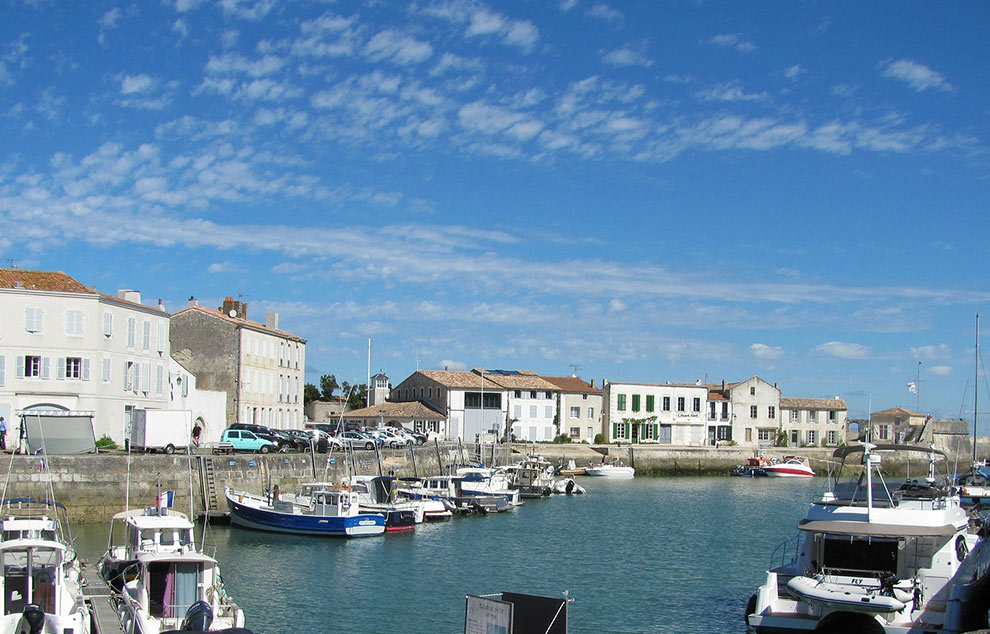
[(3, 370), (60, 368), (19, 370), (85, 369), (46, 367), (106, 370), (136, 383), (107, 323), (146, 377), (161, 337)]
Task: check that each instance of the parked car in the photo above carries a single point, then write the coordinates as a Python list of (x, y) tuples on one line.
[(357, 440), (395, 437), (244, 440), (294, 441), (262, 431), (420, 437), (319, 440)]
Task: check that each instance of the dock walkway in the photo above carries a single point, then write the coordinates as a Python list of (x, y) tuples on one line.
[(97, 595)]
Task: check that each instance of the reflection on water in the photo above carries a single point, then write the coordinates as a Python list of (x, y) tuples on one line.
[(645, 555)]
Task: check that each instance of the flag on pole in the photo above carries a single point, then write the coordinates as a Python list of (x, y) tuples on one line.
[(165, 499), (913, 387)]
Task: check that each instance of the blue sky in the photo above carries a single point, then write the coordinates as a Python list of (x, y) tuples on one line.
[(650, 191)]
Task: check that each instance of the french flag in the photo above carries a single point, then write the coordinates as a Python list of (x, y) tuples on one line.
[(165, 499)]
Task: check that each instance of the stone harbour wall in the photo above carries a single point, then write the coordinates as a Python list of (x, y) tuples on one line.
[(94, 487)]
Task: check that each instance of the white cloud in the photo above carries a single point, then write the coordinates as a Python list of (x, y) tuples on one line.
[(398, 48), (517, 33), (606, 13), (246, 9), (940, 370), (730, 92), (842, 350), (931, 353), (452, 366), (733, 40), (231, 63), (917, 76), (627, 57), (769, 353), (793, 72), (135, 84)]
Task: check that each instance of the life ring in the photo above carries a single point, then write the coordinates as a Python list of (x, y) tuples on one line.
[(962, 550)]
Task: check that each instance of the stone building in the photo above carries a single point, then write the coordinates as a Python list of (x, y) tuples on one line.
[(260, 367), (813, 422)]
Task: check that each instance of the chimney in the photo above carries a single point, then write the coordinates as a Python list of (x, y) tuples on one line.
[(271, 321), (161, 305), (724, 385), (192, 302), (234, 308), (129, 296), (592, 384)]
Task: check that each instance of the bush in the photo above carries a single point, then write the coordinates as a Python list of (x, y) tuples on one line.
[(600, 439), (562, 439), (105, 444)]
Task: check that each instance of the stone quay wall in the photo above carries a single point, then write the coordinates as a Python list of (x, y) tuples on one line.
[(94, 487)]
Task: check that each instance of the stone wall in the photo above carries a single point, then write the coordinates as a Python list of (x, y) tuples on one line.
[(94, 487)]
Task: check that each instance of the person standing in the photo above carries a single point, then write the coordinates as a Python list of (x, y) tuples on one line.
[(3, 434)]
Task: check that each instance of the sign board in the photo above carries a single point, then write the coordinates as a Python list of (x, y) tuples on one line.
[(484, 615)]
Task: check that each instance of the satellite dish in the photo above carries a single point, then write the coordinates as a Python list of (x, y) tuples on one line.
[(232, 313)]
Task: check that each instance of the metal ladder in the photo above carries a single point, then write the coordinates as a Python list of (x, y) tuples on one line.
[(209, 484)]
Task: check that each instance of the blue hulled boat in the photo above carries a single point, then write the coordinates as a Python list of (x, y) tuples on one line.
[(333, 512)]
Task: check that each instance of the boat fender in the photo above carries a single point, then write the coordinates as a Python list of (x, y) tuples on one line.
[(961, 548)]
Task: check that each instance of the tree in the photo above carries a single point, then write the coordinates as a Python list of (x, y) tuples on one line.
[(328, 384), (357, 395), (310, 393)]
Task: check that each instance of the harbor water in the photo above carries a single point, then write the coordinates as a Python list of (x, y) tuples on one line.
[(678, 555)]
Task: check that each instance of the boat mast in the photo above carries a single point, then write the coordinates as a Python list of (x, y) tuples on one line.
[(976, 386)]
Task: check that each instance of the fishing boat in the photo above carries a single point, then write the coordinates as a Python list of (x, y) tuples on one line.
[(160, 579), (41, 575), (610, 470), (449, 489), (532, 477), (333, 511), (790, 467), (878, 557), (487, 481)]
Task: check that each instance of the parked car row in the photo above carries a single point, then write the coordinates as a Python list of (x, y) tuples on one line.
[(263, 439)]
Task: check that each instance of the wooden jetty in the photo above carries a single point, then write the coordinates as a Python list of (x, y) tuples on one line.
[(97, 595)]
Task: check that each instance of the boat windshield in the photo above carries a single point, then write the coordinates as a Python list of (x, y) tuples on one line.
[(859, 555), (29, 573)]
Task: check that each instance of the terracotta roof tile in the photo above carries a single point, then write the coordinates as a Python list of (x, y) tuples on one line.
[(41, 281), (812, 403), (571, 384), (408, 409)]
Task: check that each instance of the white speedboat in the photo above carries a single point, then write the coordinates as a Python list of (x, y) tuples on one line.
[(610, 470), (41, 575), (878, 558), (159, 579), (567, 486), (532, 476), (790, 467)]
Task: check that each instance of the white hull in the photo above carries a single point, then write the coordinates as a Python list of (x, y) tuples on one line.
[(610, 471)]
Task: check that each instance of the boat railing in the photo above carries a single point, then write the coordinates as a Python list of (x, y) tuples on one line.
[(785, 552)]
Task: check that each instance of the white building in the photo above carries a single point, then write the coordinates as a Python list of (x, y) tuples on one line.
[(755, 411), (485, 401), (64, 347), (580, 407), (209, 408), (260, 367), (813, 422), (664, 413)]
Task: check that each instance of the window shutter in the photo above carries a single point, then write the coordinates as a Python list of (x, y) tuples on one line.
[(85, 369), (3, 370), (60, 368), (615, 430), (146, 377), (19, 370), (106, 370), (46, 363), (107, 324), (136, 383), (161, 337)]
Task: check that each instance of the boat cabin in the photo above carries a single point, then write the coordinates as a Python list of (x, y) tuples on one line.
[(30, 571)]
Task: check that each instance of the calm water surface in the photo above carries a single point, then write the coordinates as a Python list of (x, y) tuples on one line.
[(679, 555)]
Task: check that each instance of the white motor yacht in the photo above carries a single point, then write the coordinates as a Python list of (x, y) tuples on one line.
[(878, 557)]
